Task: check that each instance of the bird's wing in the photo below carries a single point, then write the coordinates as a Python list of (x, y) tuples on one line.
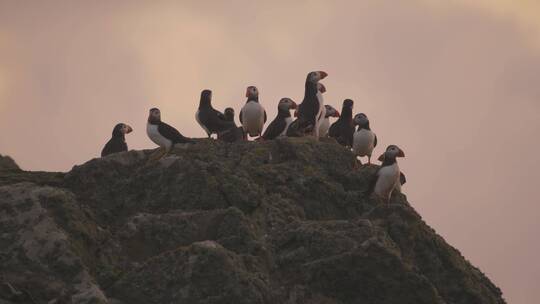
[(274, 129), (106, 149), (220, 123), (402, 179), (292, 130), (172, 134), (114, 146), (240, 116), (375, 141), (334, 130), (264, 115)]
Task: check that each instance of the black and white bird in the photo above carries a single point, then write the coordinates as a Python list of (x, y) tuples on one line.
[(278, 126), (252, 115), (311, 111), (161, 133), (343, 129), (364, 140), (210, 119), (232, 134), (388, 176), (117, 143), (325, 125)]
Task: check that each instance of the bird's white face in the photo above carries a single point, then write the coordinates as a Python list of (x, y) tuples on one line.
[(395, 151), (126, 129), (252, 91), (155, 115), (316, 76), (360, 119), (287, 104)]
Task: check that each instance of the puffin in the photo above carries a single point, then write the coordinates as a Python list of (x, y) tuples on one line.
[(117, 143), (310, 111), (343, 129), (229, 115), (364, 140), (162, 134), (232, 134), (252, 115), (210, 119), (388, 176), (278, 126), (325, 124)]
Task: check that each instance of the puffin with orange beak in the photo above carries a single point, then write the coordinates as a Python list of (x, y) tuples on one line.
[(325, 124), (364, 140), (280, 124), (389, 177), (252, 116), (162, 134), (117, 143), (343, 129), (311, 110)]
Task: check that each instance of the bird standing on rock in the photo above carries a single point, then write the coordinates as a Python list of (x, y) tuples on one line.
[(210, 119), (311, 110), (117, 143), (252, 115), (325, 124), (343, 129), (162, 134), (364, 140), (232, 134), (389, 176), (278, 126)]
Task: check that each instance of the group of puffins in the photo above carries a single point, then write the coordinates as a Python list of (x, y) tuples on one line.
[(312, 118)]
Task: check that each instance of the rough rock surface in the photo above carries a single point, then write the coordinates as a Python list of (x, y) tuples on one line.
[(285, 221), (7, 163)]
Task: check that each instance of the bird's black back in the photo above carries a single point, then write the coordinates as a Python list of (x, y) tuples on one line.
[(114, 145), (172, 134)]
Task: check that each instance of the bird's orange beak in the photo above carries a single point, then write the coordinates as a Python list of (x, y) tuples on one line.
[(296, 113), (323, 74), (294, 106), (129, 129), (337, 114), (401, 153), (381, 158)]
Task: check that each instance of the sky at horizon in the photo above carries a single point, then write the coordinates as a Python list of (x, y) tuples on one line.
[(455, 84)]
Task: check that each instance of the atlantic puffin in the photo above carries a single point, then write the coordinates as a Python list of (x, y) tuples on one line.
[(278, 126), (210, 119), (325, 125), (232, 134), (364, 140), (388, 176), (161, 133), (343, 129), (252, 115), (310, 111), (117, 143)]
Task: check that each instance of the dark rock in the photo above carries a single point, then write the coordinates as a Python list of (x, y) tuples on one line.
[(283, 221), (7, 163)]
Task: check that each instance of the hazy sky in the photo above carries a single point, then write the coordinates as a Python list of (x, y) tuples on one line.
[(457, 86)]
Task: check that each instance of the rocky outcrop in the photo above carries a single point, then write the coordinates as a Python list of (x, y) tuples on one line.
[(7, 163), (284, 221)]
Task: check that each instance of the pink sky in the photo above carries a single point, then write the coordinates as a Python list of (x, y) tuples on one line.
[(456, 86)]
